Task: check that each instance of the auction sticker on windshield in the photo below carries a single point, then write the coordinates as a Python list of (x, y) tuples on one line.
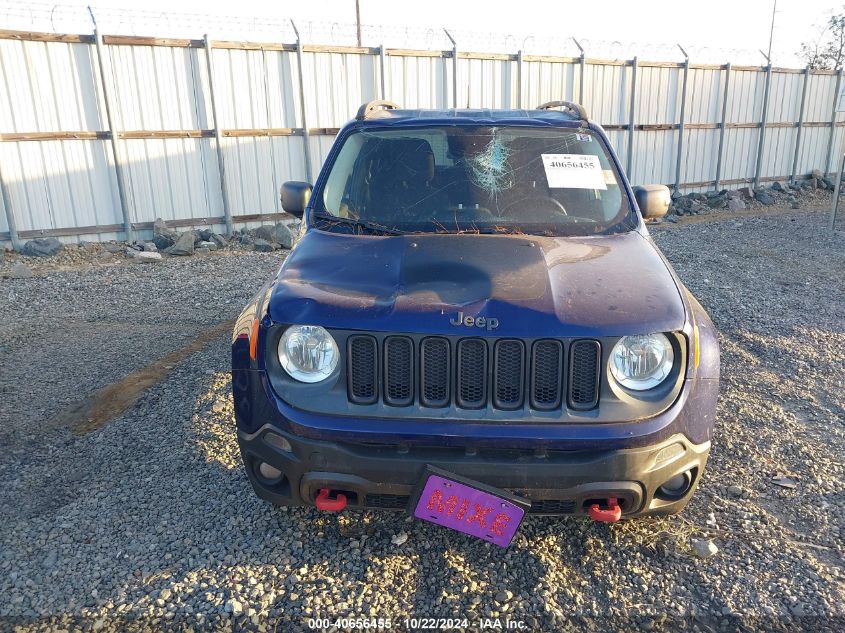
[(574, 171)]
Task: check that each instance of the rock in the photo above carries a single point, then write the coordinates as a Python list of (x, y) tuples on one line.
[(183, 246), (282, 235), (776, 186), (716, 202), (764, 197), (266, 233), (209, 246), (42, 247), (148, 257), (218, 239), (736, 204), (262, 246), (21, 271), (201, 251), (205, 234), (794, 203), (704, 548), (784, 482), (163, 235), (697, 197), (699, 208), (150, 247), (734, 194), (813, 183), (113, 247), (503, 596), (817, 174), (399, 539), (828, 184), (684, 202), (735, 491), (798, 610), (165, 594), (234, 607)]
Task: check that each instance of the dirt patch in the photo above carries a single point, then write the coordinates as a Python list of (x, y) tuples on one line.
[(107, 403)]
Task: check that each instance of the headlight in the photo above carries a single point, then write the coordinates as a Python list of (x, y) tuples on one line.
[(641, 362), (308, 353)]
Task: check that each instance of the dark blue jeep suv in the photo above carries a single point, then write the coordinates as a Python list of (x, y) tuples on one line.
[(473, 323)]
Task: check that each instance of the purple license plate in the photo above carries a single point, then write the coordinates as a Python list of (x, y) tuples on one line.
[(469, 510)]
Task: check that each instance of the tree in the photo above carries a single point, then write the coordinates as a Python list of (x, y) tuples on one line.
[(828, 50)]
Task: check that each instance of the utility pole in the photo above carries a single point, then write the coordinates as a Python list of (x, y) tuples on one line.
[(358, 20), (771, 30)]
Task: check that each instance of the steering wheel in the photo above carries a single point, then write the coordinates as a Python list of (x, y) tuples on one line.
[(533, 200)]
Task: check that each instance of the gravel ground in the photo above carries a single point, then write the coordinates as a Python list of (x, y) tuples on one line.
[(149, 520)]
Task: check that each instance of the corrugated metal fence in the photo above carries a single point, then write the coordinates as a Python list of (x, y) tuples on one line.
[(100, 132)]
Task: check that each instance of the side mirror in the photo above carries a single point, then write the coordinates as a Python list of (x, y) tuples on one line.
[(653, 200), (295, 197)]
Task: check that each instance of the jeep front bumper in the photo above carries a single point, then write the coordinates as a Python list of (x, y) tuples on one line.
[(558, 482)]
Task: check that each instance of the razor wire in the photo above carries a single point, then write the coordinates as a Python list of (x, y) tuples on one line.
[(66, 18)]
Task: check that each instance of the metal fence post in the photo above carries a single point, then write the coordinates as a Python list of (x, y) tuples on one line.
[(836, 188), (10, 215), (832, 122), (454, 69), (383, 73), (631, 116), (800, 124), (118, 172), (722, 126), (224, 189), (582, 62), (306, 138), (519, 79), (758, 163), (681, 122)]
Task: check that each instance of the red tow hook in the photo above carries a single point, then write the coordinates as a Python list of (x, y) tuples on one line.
[(611, 515), (324, 502)]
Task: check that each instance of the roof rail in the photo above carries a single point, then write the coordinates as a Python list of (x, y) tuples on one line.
[(372, 109), (575, 108)]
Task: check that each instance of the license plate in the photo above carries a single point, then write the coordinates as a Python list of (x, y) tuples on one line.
[(470, 507)]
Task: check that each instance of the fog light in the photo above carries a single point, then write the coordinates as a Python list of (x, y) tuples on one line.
[(268, 472), (677, 486)]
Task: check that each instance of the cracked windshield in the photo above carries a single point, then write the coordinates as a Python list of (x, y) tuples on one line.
[(462, 179)]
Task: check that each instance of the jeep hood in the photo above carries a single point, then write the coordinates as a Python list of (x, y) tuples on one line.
[(534, 286)]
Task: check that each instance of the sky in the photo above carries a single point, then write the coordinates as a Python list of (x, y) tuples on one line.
[(714, 29)]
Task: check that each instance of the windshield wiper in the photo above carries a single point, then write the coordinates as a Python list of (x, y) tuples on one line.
[(369, 226)]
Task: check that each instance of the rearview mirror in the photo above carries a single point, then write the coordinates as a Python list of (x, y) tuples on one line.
[(653, 200), (295, 197)]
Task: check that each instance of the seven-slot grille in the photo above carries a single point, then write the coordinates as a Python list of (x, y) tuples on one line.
[(473, 373)]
